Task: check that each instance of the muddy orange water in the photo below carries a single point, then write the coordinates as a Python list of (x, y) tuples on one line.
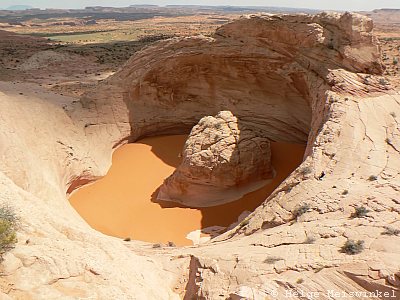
[(120, 205)]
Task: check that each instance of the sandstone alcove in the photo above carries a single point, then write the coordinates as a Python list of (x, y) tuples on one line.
[(262, 78), (270, 99)]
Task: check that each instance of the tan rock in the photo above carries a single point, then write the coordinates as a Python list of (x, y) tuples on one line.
[(222, 161)]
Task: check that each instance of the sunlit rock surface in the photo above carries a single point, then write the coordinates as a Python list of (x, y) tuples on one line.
[(296, 78)]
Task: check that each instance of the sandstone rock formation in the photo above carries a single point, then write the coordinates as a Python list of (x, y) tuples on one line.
[(298, 78), (222, 161)]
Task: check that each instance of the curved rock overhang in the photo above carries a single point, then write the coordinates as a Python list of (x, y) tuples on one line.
[(272, 72), (276, 73)]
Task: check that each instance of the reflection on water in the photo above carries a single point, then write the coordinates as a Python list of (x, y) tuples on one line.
[(120, 204)]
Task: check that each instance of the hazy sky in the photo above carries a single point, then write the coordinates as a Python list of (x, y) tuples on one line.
[(320, 4)]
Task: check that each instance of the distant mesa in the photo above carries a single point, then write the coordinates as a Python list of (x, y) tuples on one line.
[(19, 7), (144, 5), (386, 10)]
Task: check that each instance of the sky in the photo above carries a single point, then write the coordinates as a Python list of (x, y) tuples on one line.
[(318, 4)]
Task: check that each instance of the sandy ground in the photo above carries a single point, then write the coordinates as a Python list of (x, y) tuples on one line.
[(120, 204)]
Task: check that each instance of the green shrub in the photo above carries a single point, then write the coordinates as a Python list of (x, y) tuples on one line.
[(352, 247), (8, 228)]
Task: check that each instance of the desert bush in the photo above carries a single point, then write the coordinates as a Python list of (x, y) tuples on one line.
[(391, 231), (301, 210), (306, 170), (345, 192), (171, 244), (310, 240), (383, 81), (300, 281), (360, 212), (272, 259), (352, 247), (8, 228), (395, 60), (245, 222), (373, 178)]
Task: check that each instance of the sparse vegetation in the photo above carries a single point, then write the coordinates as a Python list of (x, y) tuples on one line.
[(383, 81), (330, 45), (393, 114), (310, 240), (244, 223), (8, 228), (317, 270), (306, 170), (391, 231), (395, 60), (171, 244), (158, 245), (373, 178), (345, 192), (155, 37), (301, 210), (272, 259), (300, 281), (352, 247), (360, 212)]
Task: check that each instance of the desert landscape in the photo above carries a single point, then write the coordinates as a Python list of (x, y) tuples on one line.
[(199, 152)]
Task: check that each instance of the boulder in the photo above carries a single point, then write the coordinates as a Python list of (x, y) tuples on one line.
[(222, 161)]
